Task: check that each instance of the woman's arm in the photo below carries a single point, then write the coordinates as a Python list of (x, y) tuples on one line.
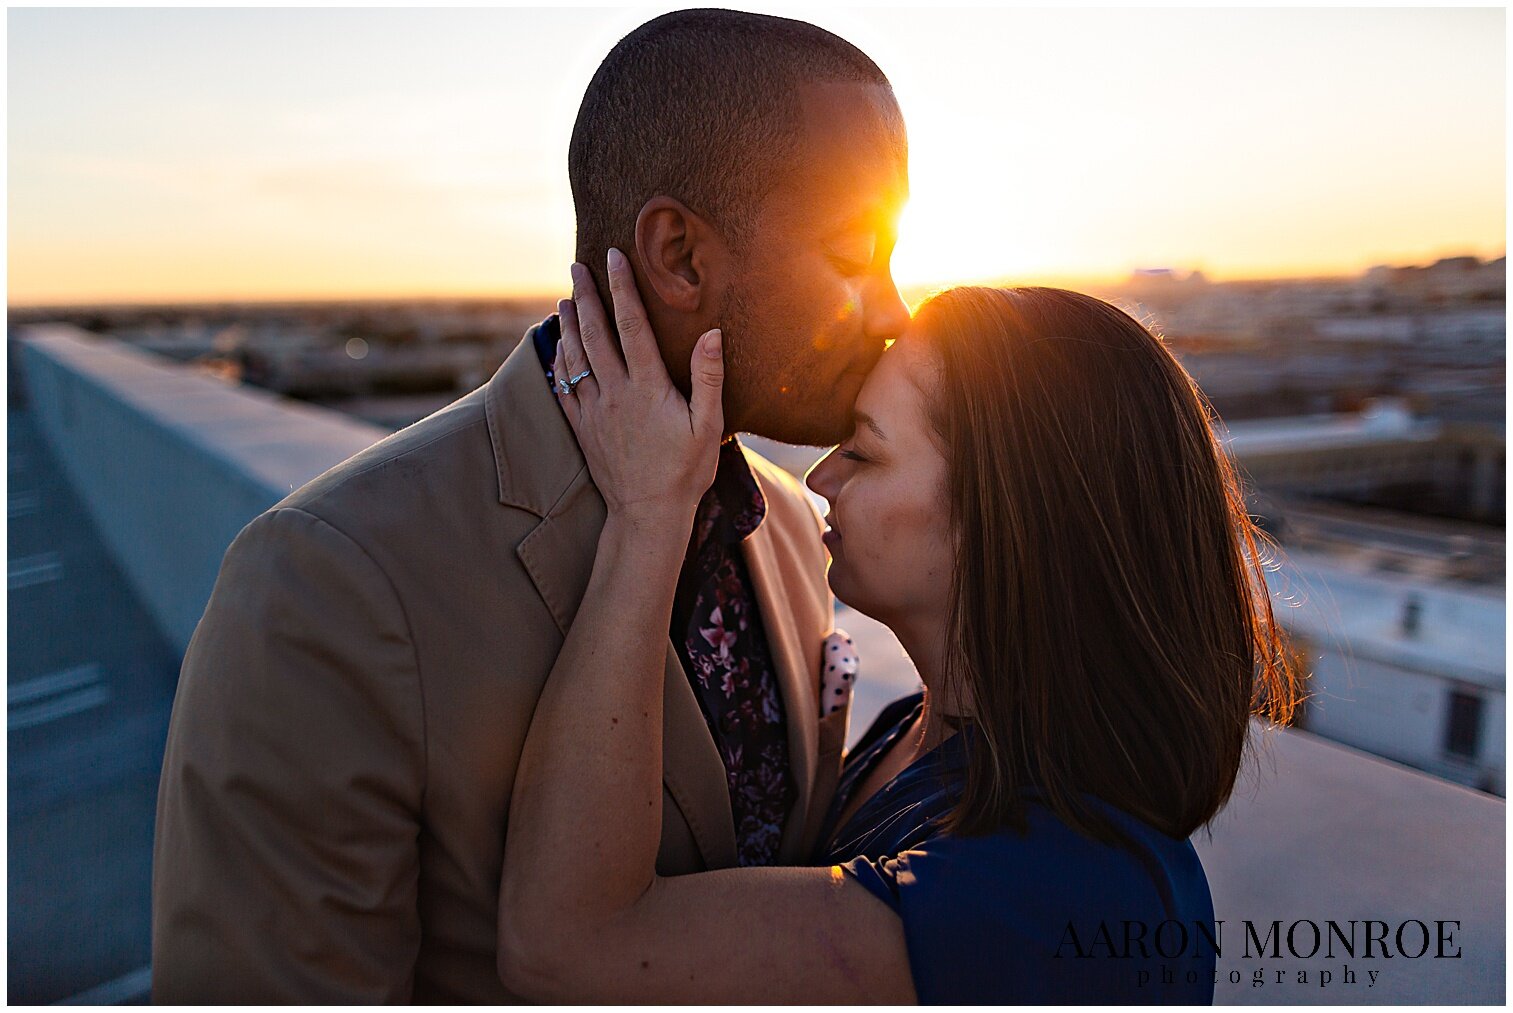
[(583, 915)]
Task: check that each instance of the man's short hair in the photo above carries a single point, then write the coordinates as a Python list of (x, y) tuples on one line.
[(701, 106)]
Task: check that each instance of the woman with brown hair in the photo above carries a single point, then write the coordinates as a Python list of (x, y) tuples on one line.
[(1033, 501)]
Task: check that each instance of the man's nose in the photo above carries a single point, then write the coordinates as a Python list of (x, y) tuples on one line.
[(887, 312)]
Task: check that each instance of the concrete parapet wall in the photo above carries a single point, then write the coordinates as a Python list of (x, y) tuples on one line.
[(1318, 832), (170, 463)]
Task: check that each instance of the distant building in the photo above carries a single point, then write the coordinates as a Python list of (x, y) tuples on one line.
[(1380, 452), (1450, 280), (1406, 668)]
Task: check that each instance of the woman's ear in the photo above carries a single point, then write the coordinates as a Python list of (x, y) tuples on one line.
[(679, 253)]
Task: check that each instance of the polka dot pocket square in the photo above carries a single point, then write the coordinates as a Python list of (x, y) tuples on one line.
[(838, 665)]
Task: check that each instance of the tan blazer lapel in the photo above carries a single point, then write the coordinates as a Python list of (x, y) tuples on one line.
[(692, 770), (795, 681), (542, 470)]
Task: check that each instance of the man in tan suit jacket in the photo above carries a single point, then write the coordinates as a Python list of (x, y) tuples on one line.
[(335, 794)]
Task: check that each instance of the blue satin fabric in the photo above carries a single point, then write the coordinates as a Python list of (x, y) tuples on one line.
[(1049, 917)]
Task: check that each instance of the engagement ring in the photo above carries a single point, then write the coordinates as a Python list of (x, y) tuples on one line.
[(567, 386)]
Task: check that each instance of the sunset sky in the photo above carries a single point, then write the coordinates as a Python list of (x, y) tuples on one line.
[(206, 154)]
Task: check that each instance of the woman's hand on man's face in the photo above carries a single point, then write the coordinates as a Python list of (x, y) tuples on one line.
[(649, 449)]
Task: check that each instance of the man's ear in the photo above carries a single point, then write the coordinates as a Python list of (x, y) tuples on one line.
[(680, 253)]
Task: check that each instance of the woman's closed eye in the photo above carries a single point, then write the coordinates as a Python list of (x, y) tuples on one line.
[(851, 455)]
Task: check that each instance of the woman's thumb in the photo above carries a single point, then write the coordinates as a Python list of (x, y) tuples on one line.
[(707, 372)]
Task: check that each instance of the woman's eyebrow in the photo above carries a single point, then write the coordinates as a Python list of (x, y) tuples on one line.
[(863, 419)]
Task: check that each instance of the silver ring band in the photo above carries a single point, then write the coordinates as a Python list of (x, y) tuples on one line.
[(569, 386)]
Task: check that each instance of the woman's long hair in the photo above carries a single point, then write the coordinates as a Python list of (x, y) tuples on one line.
[(1109, 616)]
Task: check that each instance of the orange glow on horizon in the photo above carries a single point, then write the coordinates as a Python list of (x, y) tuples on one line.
[(1032, 160)]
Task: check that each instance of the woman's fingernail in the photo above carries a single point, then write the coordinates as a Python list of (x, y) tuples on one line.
[(616, 259), (712, 344), (574, 271), (562, 305)]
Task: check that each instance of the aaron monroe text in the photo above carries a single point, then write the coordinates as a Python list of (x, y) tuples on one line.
[(1304, 939)]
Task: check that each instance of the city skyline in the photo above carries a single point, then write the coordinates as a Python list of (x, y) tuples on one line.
[(175, 155)]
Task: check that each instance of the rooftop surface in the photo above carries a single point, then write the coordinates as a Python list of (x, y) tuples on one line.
[(1318, 831)]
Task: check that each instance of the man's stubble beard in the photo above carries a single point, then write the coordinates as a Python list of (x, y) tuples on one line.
[(748, 381), (735, 328)]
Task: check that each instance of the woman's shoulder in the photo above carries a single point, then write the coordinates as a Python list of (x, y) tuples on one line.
[(1001, 916), (1053, 865), (1149, 873)]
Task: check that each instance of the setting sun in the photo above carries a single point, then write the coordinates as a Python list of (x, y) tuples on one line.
[(337, 153)]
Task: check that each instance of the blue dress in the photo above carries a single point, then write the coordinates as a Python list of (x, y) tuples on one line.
[(1050, 917)]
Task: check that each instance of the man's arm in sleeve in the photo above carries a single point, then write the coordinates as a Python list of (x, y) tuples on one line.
[(285, 860)]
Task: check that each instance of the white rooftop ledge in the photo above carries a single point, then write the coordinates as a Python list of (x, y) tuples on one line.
[(172, 463)]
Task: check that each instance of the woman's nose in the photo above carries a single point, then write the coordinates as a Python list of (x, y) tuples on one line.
[(821, 478)]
